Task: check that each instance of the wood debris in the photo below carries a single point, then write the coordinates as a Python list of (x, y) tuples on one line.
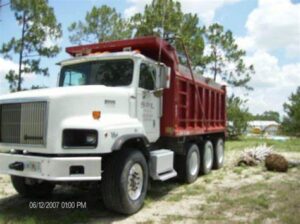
[(254, 155)]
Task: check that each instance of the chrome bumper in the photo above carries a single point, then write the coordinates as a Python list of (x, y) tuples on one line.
[(51, 168)]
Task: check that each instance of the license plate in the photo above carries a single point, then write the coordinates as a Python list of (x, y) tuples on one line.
[(33, 166)]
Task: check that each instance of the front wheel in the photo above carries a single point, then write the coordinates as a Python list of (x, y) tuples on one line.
[(125, 181), (32, 188)]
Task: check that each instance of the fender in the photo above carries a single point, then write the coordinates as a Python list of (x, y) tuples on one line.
[(122, 139)]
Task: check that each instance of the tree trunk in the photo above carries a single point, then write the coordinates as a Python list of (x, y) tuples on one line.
[(21, 53), (215, 69)]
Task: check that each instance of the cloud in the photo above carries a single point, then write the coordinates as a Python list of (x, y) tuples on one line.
[(272, 82), (5, 66), (49, 42), (246, 43), (205, 9), (135, 7), (273, 25)]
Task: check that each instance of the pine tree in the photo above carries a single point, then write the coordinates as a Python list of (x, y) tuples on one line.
[(101, 24), (38, 26), (225, 59)]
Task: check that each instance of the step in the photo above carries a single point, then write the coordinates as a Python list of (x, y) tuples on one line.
[(167, 176), (161, 164)]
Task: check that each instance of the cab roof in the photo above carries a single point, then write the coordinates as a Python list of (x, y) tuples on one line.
[(104, 56), (148, 46)]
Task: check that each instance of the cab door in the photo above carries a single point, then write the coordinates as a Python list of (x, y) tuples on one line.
[(148, 105)]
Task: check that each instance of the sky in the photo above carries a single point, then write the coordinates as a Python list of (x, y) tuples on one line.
[(269, 31)]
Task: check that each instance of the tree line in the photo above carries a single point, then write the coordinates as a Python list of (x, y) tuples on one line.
[(212, 49), (38, 26), (239, 115)]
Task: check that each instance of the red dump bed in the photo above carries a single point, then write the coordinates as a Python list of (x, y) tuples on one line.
[(183, 113)]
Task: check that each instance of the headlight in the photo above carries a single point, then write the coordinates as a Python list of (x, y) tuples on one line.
[(91, 139), (76, 138)]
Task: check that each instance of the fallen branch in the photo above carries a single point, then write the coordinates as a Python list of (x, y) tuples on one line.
[(253, 156), (293, 163)]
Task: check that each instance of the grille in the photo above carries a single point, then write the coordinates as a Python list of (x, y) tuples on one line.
[(23, 123)]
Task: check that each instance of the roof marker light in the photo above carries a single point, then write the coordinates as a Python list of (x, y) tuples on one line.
[(127, 49)]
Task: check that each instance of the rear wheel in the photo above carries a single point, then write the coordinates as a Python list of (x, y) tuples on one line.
[(32, 188), (125, 181), (207, 154), (188, 165), (218, 153)]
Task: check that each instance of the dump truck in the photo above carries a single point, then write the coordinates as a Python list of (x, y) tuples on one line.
[(124, 113)]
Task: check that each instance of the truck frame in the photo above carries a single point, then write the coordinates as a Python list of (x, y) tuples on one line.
[(124, 112)]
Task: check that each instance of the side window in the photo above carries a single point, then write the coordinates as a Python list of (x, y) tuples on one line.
[(147, 77), (74, 78)]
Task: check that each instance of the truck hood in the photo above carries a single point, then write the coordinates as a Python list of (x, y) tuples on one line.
[(61, 92), (77, 101), (72, 108)]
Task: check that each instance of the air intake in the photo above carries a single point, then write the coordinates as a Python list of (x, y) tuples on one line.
[(23, 123)]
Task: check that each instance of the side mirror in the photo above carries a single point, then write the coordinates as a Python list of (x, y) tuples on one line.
[(164, 77)]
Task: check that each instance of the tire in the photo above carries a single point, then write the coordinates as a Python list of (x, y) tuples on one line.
[(35, 189), (119, 170), (218, 154), (207, 153), (188, 165)]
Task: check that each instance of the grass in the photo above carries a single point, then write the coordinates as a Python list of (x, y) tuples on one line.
[(238, 170), (269, 198), (254, 203), (257, 203), (147, 222), (291, 145), (187, 191), (172, 218)]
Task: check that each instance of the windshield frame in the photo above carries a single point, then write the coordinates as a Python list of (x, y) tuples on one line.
[(95, 60)]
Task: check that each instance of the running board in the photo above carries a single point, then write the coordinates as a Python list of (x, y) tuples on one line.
[(166, 176), (161, 164)]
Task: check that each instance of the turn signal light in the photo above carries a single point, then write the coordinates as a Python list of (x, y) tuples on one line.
[(96, 115)]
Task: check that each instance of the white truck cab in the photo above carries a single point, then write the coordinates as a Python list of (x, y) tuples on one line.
[(102, 102)]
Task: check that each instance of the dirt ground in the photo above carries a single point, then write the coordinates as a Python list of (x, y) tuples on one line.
[(230, 195)]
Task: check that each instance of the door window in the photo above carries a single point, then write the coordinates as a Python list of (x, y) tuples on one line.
[(147, 77)]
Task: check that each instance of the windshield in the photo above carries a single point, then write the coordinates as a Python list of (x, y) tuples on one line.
[(106, 72)]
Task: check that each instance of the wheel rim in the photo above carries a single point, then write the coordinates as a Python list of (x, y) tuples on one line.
[(220, 151), (208, 157), (194, 163), (135, 181)]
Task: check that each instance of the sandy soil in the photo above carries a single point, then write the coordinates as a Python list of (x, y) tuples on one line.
[(168, 202), (219, 181)]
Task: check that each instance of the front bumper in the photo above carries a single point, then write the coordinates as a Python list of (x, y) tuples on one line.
[(51, 168)]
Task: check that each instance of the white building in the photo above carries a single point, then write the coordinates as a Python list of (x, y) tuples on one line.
[(263, 127)]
